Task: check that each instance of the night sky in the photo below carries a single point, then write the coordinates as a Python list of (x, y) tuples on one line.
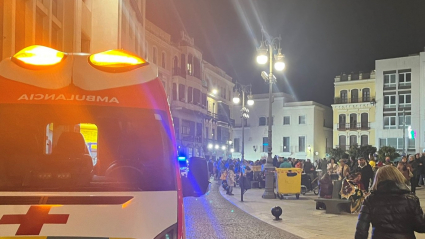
[(320, 39)]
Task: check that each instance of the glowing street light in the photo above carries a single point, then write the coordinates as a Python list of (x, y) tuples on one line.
[(210, 146), (217, 146), (214, 91), (223, 147), (236, 100)]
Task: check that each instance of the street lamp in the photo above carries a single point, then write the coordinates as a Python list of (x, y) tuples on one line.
[(214, 91), (244, 89), (216, 146), (210, 146), (269, 45)]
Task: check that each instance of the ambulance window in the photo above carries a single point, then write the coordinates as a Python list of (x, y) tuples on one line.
[(79, 138)]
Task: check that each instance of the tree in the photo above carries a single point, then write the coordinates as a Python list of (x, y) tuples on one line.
[(362, 151), (338, 153), (387, 151), (366, 150)]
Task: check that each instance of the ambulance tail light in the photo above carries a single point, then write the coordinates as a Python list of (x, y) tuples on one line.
[(116, 61), (38, 57)]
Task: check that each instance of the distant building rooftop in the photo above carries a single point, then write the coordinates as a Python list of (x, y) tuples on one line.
[(355, 76)]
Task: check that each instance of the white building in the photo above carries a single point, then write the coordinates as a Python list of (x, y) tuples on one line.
[(398, 89), (300, 129)]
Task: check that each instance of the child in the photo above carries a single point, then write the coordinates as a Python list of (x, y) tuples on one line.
[(230, 179)]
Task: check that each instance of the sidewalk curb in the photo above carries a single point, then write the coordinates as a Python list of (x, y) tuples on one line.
[(277, 224)]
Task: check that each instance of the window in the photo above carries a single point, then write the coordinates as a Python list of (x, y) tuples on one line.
[(400, 143), (189, 94), (163, 60), (182, 93), (342, 122), (196, 96), (286, 120), (364, 140), (262, 121), (236, 144), (301, 143), (410, 143), (189, 66), (401, 121), (55, 8), (389, 122), (366, 95), (364, 121), (213, 134), (354, 96), (353, 140), (404, 100), (207, 131), (301, 119), (405, 78), (342, 141), (389, 101), (286, 144), (176, 123), (174, 91), (344, 96), (154, 55), (389, 80), (265, 144)]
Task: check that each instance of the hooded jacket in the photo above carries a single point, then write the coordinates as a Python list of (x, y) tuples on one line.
[(393, 212)]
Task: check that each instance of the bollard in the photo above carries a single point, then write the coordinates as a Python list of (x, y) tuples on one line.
[(276, 212)]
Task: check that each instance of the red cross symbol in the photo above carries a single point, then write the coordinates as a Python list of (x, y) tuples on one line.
[(32, 222)]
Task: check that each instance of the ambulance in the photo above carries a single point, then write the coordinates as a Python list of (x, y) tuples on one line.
[(56, 110)]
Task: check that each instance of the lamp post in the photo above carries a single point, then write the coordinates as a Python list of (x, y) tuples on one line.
[(269, 45), (245, 115)]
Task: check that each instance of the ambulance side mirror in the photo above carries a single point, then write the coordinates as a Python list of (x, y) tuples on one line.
[(196, 183)]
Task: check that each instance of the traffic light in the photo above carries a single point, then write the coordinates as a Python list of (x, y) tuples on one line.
[(412, 133)]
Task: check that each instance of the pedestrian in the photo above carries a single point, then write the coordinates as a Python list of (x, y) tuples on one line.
[(372, 162), (414, 176), (392, 210), (285, 164), (230, 179), (324, 166), (405, 169), (333, 169), (353, 165), (343, 169), (388, 161), (366, 172), (422, 169)]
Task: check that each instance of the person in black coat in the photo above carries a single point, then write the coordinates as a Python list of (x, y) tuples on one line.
[(392, 210), (366, 171)]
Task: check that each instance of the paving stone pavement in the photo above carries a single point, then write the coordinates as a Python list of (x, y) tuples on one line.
[(212, 216)]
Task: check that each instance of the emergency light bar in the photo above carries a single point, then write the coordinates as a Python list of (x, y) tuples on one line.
[(36, 57), (116, 61)]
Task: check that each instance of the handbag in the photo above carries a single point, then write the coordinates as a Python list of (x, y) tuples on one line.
[(410, 174)]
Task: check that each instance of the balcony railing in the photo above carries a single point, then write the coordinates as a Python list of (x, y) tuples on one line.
[(179, 72), (339, 100), (353, 126)]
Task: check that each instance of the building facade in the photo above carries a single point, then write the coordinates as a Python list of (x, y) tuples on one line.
[(300, 129), (72, 25), (199, 93), (354, 110), (400, 111)]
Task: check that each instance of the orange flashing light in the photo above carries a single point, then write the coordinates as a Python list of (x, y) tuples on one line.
[(38, 56), (116, 61), (124, 205)]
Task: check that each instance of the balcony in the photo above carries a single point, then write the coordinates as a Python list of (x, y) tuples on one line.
[(192, 138), (221, 117), (179, 72), (339, 100), (353, 126)]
